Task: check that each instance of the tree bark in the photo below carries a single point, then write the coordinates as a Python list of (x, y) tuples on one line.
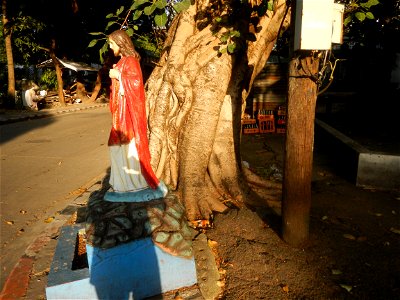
[(194, 100), (9, 54), (298, 160), (96, 88), (58, 73)]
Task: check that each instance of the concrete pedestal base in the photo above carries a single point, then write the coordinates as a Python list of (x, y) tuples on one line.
[(135, 270)]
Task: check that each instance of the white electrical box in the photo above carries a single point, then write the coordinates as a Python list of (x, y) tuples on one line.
[(337, 25), (313, 24)]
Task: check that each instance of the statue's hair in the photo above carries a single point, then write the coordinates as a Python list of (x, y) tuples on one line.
[(124, 42)]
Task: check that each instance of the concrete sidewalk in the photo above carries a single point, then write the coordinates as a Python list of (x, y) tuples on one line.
[(17, 115)]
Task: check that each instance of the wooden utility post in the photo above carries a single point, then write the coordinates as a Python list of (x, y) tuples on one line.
[(311, 29), (298, 159)]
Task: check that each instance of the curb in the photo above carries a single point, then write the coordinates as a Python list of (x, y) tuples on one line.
[(18, 280), (368, 169), (44, 114), (17, 283)]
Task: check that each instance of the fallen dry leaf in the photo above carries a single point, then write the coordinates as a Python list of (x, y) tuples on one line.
[(346, 287), (336, 272), (41, 273), (361, 239), (9, 222), (285, 288), (212, 244), (220, 283), (349, 236), (79, 191), (49, 220), (395, 230)]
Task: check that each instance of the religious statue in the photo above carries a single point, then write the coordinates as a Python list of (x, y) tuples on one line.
[(138, 206), (132, 178)]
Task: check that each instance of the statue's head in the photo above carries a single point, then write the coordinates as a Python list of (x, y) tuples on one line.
[(124, 42)]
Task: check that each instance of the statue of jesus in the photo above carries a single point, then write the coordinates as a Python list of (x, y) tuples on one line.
[(132, 178)]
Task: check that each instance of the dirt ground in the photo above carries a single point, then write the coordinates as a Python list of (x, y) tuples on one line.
[(353, 248)]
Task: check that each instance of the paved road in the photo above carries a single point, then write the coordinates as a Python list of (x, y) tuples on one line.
[(43, 164)]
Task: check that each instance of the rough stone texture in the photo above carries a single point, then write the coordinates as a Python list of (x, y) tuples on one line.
[(109, 224)]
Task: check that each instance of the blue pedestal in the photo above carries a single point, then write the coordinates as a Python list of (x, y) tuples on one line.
[(135, 270)]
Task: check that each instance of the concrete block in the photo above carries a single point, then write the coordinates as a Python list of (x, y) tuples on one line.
[(139, 269), (63, 282), (378, 170), (135, 270)]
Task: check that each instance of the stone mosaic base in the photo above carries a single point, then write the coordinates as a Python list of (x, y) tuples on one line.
[(109, 224)]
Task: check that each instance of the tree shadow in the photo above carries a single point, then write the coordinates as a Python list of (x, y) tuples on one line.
[(20, 123)]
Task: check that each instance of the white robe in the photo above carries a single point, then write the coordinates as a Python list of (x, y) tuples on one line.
[(126, 175)]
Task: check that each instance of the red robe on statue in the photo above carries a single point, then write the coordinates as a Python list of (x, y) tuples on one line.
[(127, 105)]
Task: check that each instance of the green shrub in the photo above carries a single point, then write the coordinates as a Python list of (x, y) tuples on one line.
[(48, 80)]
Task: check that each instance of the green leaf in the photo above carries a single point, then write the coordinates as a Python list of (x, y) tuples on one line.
[(181, 6), (218, 19), (96, 33), (161, 4), (231, 48), (92, 43), (137, 14), (102, 51), (135, 27), (110, 23), (129, 31), (120, 10), (360, 16), (369, 3), (235, 33), (370, 15), (109, 16), (271, 5), (149, 10), (224, 37), (161, 20), (222, 50), (137, 3), (347, 20)]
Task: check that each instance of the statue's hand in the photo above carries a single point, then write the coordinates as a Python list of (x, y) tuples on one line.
[(114, 74)]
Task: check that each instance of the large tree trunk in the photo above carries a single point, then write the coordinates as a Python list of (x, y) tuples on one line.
[(195, 100), (9, 54)]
